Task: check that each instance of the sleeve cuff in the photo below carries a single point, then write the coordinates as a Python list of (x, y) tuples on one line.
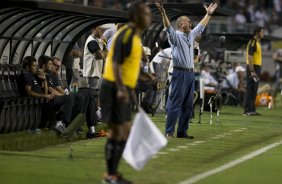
[(169, 29)]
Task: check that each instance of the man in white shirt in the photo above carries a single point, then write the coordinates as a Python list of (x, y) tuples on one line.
[(109, 34), (234, 85), (277, 57), (93, 58), (234, 79), (210, 82), (164, 57)]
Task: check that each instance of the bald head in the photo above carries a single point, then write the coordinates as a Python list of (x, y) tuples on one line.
[(184, 24)]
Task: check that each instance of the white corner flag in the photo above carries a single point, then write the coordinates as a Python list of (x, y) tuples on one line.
[(144, 141)]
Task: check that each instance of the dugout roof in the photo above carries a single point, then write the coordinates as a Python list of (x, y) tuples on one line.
[(38, 27)]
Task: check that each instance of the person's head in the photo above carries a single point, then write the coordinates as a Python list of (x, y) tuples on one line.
[(258, 32), (97, 32), (45, 63), (184, 24), (240, 71), (140, 14), (30, 64), (57, 64)]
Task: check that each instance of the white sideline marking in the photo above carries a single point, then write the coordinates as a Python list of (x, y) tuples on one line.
[(173, 149), (163, 153), (181, 147), (199, 142), (228, 165)]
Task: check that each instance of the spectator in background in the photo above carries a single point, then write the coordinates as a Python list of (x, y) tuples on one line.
[(278, 7), (261, 17), (69, 61), (35, 85), (109, 34), (240, 19), (251, 10), (235, 85), (277, 57), (162, 57), (210, 83), (94, 58), (148, 83)]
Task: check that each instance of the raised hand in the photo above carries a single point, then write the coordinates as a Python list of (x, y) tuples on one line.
[(160, 7), (211, 8)]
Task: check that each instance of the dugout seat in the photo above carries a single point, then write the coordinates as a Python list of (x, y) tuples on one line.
[(17, 112)]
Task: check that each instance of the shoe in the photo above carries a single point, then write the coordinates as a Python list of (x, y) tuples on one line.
[(256, 114), (185, 136), (169, 136), (101, 133), (251, 114), (247, 114), (115, 180), (90, 135), (59, 128)]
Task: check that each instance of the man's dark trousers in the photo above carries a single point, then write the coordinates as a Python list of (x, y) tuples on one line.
[(180, 102), (64, 104), (251, 90)]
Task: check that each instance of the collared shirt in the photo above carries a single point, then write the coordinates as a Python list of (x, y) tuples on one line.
[(254, 49), (233, 81), (182, 46), (31, 80), (127, 50)]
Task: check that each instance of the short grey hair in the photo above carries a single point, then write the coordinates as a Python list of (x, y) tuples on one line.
[(179, 20)]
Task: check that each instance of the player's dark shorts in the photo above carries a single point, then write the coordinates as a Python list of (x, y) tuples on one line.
[(113, 111)]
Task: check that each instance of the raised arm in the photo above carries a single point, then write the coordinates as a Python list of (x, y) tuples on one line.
[(170, 30), (199, 29), (166, 21), (204, 22)]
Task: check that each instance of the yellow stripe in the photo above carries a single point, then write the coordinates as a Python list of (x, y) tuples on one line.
[(126, 36)]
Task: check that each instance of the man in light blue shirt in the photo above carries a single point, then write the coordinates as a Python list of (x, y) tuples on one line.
[(180, 101)]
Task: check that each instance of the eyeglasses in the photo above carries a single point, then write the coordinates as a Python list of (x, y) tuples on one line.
[(57, 66)]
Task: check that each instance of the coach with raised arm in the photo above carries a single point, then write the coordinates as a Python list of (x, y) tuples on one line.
[(180, 101)]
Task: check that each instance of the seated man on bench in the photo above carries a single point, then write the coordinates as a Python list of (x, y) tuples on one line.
[(84, 94), (147, 83), (35, 85)]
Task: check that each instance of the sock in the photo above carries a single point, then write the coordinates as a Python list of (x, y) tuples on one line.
[(59, 123), (110, 152), (92, 129), (119, 151)]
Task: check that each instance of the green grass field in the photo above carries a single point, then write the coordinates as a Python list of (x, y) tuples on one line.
[(44, 158)]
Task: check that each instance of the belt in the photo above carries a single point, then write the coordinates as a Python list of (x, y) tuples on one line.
[(177, 68)]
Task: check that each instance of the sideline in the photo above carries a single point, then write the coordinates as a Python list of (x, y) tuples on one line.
[(228, 165)]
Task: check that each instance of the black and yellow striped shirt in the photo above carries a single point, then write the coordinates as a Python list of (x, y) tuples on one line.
[(126, 49), (254, 49)]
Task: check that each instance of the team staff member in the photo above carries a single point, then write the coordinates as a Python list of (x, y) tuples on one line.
[(254, 60), (180, 100), (35, 84), (119, 80)]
